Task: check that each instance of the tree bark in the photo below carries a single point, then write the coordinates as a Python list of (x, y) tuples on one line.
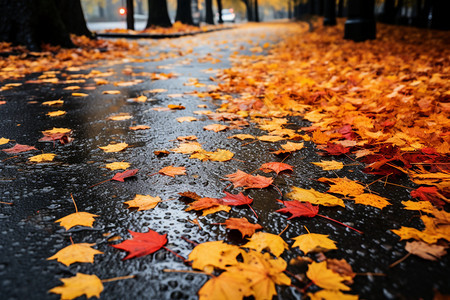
[(130, 14), (219, 8), (440, 14), (71, 13), (209, 12), (329, 13), (249, 8), (360, 24), (184, 12), (158, 14), (256, 11), (31, 23), (340, 12)]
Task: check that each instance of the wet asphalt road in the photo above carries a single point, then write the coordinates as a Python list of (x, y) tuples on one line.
[(40, 193)]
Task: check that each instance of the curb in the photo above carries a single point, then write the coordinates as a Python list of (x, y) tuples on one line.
[(158, 36)]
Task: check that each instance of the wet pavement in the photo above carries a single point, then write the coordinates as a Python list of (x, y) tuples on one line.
[(40, 193)]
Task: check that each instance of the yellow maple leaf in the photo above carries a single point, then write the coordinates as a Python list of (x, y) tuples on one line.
[(53, 102), (242, 136), (215, 209), (218, 155), (186, 119), (120, 117), (56, 113), (372, 200), (143, 202), (187, 138), (406, 233), (42, 157), (289, 147), (214, 254), (344, 186), (139, 127), (77, 218), (319, 137), (331, 295), (81, 252), (226, 286), (56, 131), (328, 165), (215, 127), (118, 165), (79, 285), (156, 91), (314, 197), (4, 141), (325, 278), (188, 147), (263, 240), (270, 138), (424, 206), (314, 242), (114, 147), (80, 94), (203, 112), (111, 92)]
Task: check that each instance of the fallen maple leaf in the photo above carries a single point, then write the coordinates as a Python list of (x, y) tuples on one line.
[(114, 147), (235, 200), (56, 131), (299, 209), (117, 165), (81, 252), (142, 243), (139, 127), (19, 148), (314, 197), (331, 294), (53, 102), (111, 92), (426, 251), (203, 203), (314, 242), (336, 149), (80, 94), (372, 200), (270, 138), (172, 171), (242, 136), (249, 181), (125, 174), (215, 127), (175, 106), (186, 119), (328, 165), (77, 218), (341, 266), (243, 225), (120, 117), (217, 254), (218, 155), (344, 186), (289, 147), (323, 277), (188, 147), (187, 138), (4, 141), (143, 202), (79, 285), (56, 113), (263, 240), (277, 167), (424, 206), (46, 157), (430, 193), (227, 285)]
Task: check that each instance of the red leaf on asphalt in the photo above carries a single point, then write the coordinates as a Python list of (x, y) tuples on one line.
[(276, 167), (235, 200), (299, 209), (142, 243), (336, 149), (18, 148), (63, 138), (429, 193), (125, 174), (249, 181), (203, 203)]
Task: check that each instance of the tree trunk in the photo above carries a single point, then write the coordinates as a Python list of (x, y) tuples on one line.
[(249, 7), (72, 16), (360, 24), (184, 12), (440, 14), (256, 11), (219, 8), (158, 14), (209, 12), (130, 14), (340, 12), (32, 23), (329, 13)]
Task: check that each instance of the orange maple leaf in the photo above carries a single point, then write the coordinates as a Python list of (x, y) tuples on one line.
[(249, 181), (172, 171)]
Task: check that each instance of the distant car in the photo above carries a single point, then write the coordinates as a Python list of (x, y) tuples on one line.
[(228, 15)]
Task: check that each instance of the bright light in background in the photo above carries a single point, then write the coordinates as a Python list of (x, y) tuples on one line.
[(122, 11)]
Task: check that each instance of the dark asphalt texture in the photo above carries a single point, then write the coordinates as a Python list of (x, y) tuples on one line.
[(41, 192)]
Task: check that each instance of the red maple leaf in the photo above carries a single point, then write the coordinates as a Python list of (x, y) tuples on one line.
[(243, 225), (235, 200), (63, 138), (429, 193), (142, 243), (347, 132), (336, 149), (249, 181), (276, 167), (299, 209), (18, 148), (125, 174)]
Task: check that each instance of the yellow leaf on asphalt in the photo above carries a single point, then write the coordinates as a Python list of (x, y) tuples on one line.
[(143, 202), (314, 197), (114, 147), (424, 206), (118, 166), (172, 171), (42, 157), (79, 285), (372, 200), (215, 209), (56, 131), (78, 218), (314, 242), (187, 138), (120, 117), (263, 240), (328, 165), (56, 113), (4, 141), (242, 136), (226, 286), (139, 127), (215, 127), (214, 254), (270, 138), (72, 88), (406, 233), (156, 91), (325, 278), (203, 112), (111, 92), (218, 155), (188, 147), (344, 186), (175, 106), (80, 94), (53, 102), (186, 119), (331, 295), (81, 252)]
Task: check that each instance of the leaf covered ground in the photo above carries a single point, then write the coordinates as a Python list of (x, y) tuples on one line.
[(310, 166)]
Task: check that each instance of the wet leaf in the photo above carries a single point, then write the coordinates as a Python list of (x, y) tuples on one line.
[(344, 186), (120, 117), (111, 92), (175, 107), (139, 127), (80, 94), (235, 200), (57, 131), (114, 147), (431, 194), (226, 286), (46, 157), (56, 113), (249, 181), (142, 243), (79, 285), (215, 127), (289, 147), (270, 138), (4, 141), (81, 252), (215, 254), (125, 174), (143, 202), (325, 278), (426, 251), (172, 171), (314, 242), (117, 166), (328, 165), (242, 136), (188, 147), (18, 148), (53, 102), (78, 218), (267, 241), (243, 225), (299, 209), (372, 200), (186, 119), (277, 167), (314, 197), (331, 295)]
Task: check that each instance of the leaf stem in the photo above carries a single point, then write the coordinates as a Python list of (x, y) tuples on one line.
[(282, 231), (189, 241), (73, 200), (187, 271), (9, 203), (253, 211), (100, 182), (281, 194), (400, 260), (118, 278), (340, 223), (177, 255)]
